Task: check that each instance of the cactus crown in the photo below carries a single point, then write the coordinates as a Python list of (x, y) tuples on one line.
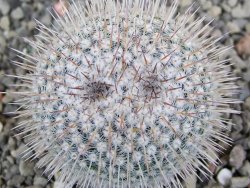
[(125, 94)]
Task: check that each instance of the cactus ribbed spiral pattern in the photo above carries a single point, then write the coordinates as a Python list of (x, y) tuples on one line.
[(125, 94)]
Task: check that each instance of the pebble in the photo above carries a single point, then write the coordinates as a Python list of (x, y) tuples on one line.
[(38, 180), (233, 27), (241, 11), (46, 19), (237, 156), (31, 25), (16, 181), (240, 182), (14, 169), (26, 168), (17, 14), (215, 11), (247, 104), (2, 44), (247, 26), (232, 3), (206, 4), (224, 176), (58, 184), (1, 126), (226, 7), (245, 169), (29, 180), (5, 23), (5, 7), (11, 143)]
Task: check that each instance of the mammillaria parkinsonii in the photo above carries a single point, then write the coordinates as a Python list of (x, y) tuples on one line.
[(125, 94)]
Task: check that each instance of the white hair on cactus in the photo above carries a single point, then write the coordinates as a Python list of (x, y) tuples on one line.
[(125, 94)]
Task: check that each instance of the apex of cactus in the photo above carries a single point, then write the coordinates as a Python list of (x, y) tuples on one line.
[(125, 94)]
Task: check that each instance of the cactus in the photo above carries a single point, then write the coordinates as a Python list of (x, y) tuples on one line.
[(125, 94)]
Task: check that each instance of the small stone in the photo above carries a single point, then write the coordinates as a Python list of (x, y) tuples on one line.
[(206, 4), (215, 11), (46, 19), (226, 7), (58, 184), (232, 3), (2, 44), (26, 168), (237, 156), (1, 126), (5, 23), (240, 182), (226, 17), (233, 27), (31, 25), (245, 169), (243, 46), (216, 33), (16, 181), (11, 143), (17, 13), (247, 104), (5, 7), (29, 180), (247, 26), (241, 22), (14, 170), (38, 180), (224, 176), (241, 11)]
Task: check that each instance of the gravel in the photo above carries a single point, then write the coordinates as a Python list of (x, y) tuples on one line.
[(237, 156), (245, 169), (38, 180), (17, 13), (5, 7), (240, 182), (5, 23), (215, 11), (233, 27), (232, 3), (1, 127), (26, 168), (16, 20), (224, 177)]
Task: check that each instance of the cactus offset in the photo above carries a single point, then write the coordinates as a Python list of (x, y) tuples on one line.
[(125, 95)]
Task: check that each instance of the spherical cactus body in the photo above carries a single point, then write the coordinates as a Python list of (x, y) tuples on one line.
[(125, 94)]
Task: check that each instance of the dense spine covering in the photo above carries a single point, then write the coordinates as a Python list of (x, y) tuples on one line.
[(125, 94)]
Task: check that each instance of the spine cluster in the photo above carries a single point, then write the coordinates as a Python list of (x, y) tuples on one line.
[(125, 94)]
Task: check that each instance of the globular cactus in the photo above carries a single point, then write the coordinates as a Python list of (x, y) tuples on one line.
[(125, 94)]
